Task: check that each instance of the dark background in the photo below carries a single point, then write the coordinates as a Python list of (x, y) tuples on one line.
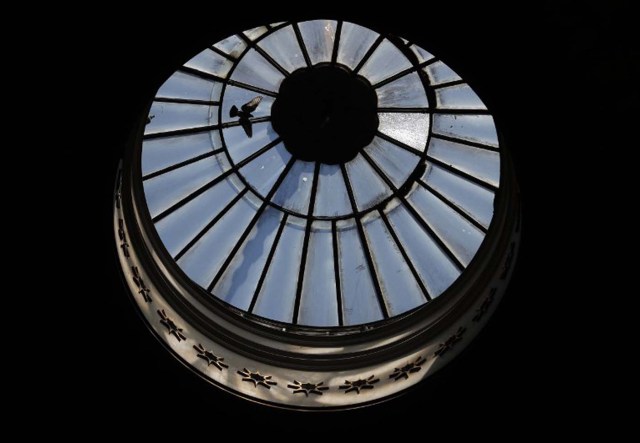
[(559, 78)]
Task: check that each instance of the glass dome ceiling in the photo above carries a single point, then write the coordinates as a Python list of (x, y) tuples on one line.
[(315, 215), (320, 237)]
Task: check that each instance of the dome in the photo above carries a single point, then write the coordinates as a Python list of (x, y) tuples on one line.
[(315, 214)]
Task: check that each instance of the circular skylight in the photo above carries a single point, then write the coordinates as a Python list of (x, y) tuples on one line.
[(315, 181), (315, 184)]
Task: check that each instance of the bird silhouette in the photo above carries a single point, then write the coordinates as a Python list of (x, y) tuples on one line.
[(244, 114)]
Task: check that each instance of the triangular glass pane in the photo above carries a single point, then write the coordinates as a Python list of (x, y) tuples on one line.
[(203, 260), (295, 191), (210, 62), (422, 55), (409, 128), (318, 37), (162, 152), (254, 33), (475, 128), (397, 163), (165, 190), (400, 289), (262, 172), (480, 163), (174, 116), (277, 296), (435, 269), (405, 92), (440, 73), (332, 199), (232, 46), (181, 226), (354, 43), (459, 235), (468, 196), (318, 301), (239, 281), (385, 61), (190, 87), (368, 187), (458, 97), (359, 300), (283, 47), (253, 69), (240, 145)]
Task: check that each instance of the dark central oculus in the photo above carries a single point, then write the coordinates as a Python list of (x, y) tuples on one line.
[(325, 114)]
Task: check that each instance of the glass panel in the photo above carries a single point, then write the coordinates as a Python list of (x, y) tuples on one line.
[(165, 190), (241, 146), (278, 293), (160, 153), (401, 291), (405, 92), (283, 46), (238, 283), (318, 37), (435, 269), (255, 32), (422, 55), (471, 198), (187, 86), (440, 73), (395, 162), (173, 116), (409, 128), (233, 46), (460, 236), (458, 97), (181, 226), (359, 300), (318, 302), (368, 187), (262, 172), (210, 62), (203, 260), (253, 69), (295, 190), (477, 162), (234, 96), (476, 128), (385, 61), (354, 43), (332, 199)]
